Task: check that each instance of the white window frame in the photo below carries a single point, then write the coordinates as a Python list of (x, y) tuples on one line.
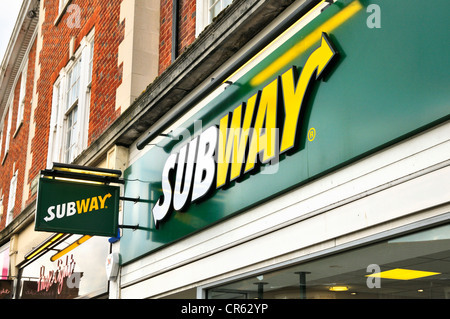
[(22, 94), (71, 112), (11, 198), (61, 110), (203, 13), (8, 131)]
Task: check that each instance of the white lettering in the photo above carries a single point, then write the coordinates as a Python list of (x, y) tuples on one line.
[(163, 204), (73, 21), (374, 19), (206, 166), (373, 281), (60, 212), (198, 309), (249, 134), (185, 170), (71, 209), (51, 214)]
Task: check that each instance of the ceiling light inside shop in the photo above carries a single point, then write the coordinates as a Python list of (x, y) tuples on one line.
[(403, 274), (338, 288)]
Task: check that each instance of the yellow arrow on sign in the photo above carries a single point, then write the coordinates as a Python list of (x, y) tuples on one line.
[(293, 98), (328, 26), (317, 60)]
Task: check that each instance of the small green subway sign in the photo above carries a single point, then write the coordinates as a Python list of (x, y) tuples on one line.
[(77, 208)]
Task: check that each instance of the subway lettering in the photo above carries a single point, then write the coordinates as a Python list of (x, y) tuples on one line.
[(258, 130), (78, 207)]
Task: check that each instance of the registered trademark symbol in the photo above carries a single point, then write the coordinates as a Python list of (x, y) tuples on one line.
[(311, 134)]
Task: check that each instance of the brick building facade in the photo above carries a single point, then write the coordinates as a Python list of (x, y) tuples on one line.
[(13, 159), (109, 84), (85, 62), (177, 29), (62, 35), (16, 114), (65, 29)]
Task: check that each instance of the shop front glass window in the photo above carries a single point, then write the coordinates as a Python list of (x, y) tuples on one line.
[(79, 273), (4, 262), (6, 283), (415, 266), (216, 6)]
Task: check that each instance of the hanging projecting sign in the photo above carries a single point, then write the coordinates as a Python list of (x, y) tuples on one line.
[(77, 208), (293, 117)]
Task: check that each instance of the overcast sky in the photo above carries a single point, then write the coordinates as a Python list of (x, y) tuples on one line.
[(9, 9)]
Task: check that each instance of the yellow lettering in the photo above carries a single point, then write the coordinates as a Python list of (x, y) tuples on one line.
[(94, 204), (82, 205), (103, 200), (293, 97), (233, 138), (263, 139)]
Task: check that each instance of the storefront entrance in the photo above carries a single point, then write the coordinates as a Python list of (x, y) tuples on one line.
[(408, 267), (79, 273)]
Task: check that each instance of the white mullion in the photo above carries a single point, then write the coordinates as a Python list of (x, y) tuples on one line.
[(8, 129), (11, 198), (61, 115), (22, 94), (54, 131), (82, 96)]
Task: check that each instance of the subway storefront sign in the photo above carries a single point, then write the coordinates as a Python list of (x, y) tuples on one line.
[(337, 90), (77, 208)]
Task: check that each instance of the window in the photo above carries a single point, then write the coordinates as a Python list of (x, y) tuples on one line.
[(11, 198), (215, 7), (70, 106), (207, 10), (8, 132), (23, 87), (4, 262), (71, 113), (89, 273), (91, 62), (55, 126), (412, 266)]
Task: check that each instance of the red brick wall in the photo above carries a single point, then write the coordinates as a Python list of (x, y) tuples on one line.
[(186, 33), (106, 76), (186, 29), (16, 161), (165, 35)]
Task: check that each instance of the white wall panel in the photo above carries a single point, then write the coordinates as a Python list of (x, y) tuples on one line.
[(395, 183)]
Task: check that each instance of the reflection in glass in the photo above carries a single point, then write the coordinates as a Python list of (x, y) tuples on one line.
[(346, 275), (78, 273)]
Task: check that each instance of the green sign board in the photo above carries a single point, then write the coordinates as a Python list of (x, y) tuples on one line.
[(339, 89), (77, 208)]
